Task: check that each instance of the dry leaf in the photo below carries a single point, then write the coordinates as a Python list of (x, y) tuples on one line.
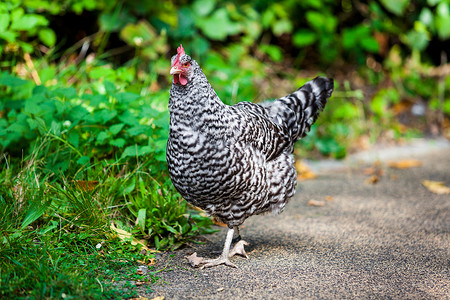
[(220, 289), (329, 198), (304, 172), (317, 203), (87, 185), (158, 298), (436, 187), (405, 164), (126, 236), (194, 260), (373, 179)]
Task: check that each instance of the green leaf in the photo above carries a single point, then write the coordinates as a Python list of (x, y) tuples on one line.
[(304, 38), (346, 111), (115, 129), (139, 34), (28, 22), (130, 151), (102, 136), (141, 218), (102, 71), (110, 87), (34, 212), (273, 51), (282, 26), (47, 36), (8, 80), (4, 22), (119, 143), (203, 7), (66, 93), (9, 36), (443, 26), (397, 7), (370, 44), (126, 97), (218, 26), (83, 160)]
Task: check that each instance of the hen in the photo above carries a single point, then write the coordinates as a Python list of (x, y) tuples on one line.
[(235, 161)]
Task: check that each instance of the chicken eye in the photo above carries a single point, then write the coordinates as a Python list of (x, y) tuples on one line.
[(186, 65)]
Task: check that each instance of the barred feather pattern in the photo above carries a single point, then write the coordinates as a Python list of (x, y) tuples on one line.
[(236, 161)]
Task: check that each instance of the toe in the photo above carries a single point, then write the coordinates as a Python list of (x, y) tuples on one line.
[(239, 249)]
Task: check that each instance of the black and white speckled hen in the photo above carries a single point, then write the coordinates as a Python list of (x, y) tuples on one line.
[(235, 161)]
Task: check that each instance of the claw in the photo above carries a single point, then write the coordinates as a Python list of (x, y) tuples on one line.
[(218, 261), (239, 249)]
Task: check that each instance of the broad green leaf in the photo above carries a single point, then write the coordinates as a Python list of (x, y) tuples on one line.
[(443, 26), (9, 36), (138, 34), (141, 218), (110, 87), (304, 38), (8, 80), (105, 115), (397, 7), (346, 111), (370, 44), (128, 118), (273, 51), (218, 26), (99, 72), (119, 143), (130, 187), (282, 26), (4, 22), (126, 97), (34, 212), (47, 36), (203, 7), (55, 127), (102, 136), (83, 160), (130, 151), (115, 129), (66, 93), (28, 22)]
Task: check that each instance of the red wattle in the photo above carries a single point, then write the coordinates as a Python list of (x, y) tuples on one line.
[(179, 78)]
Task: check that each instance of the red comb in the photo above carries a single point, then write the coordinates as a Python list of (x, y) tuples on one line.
[(180, 51)]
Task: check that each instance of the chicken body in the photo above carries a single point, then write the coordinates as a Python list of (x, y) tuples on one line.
[(235, 161)]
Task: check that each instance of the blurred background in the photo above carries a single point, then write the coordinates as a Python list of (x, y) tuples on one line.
[(389, 60)]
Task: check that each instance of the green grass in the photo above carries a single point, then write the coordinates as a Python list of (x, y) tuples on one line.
[(56, 238), (40, 267)]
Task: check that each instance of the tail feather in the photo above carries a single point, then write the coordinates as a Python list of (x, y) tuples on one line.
[(299, 110)]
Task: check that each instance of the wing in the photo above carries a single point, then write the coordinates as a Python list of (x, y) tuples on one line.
[(255, 127)]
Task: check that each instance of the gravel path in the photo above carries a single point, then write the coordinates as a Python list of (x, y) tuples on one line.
[(388, 239)]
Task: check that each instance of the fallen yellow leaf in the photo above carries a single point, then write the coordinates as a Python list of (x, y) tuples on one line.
[(373, 179), (317, 203), (436, 187), (126, 236), (405, 164)]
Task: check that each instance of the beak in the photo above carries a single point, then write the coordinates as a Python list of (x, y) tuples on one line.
[(175, 70)]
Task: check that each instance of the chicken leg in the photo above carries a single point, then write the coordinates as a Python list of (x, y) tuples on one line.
[(224, 258)]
